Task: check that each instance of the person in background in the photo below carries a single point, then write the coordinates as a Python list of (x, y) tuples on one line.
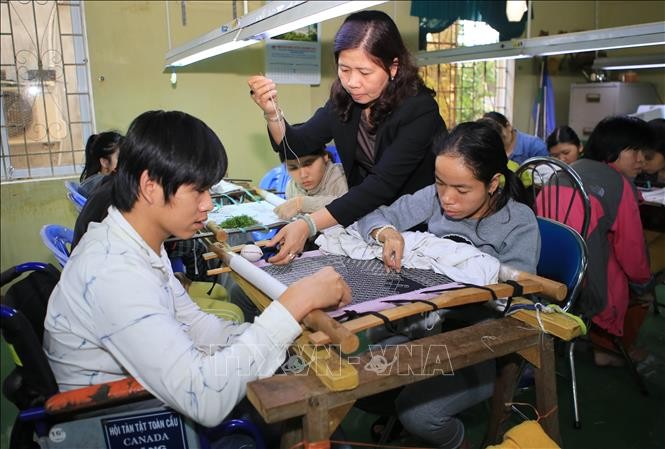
[(653, 168), (512, 165), (465, 203), (564, 145), (95, 208), (381, 116), (619, 140), (615, 240), (118, 309), (315, 182), (101, 158), (518, 145)]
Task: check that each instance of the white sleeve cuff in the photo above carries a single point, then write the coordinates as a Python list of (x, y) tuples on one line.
[(279, 324)]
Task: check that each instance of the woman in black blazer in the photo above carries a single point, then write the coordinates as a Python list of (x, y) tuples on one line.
[(381, 116)]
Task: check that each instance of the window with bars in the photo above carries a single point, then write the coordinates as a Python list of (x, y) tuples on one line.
[(465, 91), (46, 114)]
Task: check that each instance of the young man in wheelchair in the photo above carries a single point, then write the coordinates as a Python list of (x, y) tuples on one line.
[(119, 311)]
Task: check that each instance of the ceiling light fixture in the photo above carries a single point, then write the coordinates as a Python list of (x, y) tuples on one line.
[(488, 52), (630, 62), (273, 19), (603, 39)]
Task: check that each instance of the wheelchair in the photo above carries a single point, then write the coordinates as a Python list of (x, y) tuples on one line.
[(120, 414)]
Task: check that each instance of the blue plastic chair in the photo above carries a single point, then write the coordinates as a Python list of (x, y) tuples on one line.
[(332, 149), (563, 257), (59, 240), (275, 180), (77, 199), (553, 176)]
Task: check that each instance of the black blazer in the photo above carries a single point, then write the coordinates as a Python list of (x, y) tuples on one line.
[(404, 161)]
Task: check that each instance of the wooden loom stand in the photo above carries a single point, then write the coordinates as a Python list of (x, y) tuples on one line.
[(530, 283), (316, 320)]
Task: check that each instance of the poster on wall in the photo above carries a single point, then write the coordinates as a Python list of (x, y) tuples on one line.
[(295, 57)]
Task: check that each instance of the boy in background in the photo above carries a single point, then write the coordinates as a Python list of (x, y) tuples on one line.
[(315, 182)]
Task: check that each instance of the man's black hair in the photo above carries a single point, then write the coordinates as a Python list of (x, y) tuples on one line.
[(175, 148)]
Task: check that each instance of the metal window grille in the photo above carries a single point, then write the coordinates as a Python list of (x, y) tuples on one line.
[(465, 91), (46, 114)]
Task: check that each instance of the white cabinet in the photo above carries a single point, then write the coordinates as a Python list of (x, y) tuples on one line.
[(590, 103)]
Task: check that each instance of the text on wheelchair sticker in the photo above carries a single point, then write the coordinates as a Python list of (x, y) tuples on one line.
[(161, 430), (57, 434)]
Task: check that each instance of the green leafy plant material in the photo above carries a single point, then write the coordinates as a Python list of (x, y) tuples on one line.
[(239, 221)]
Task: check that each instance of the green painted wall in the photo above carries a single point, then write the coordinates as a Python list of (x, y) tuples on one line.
[(26, 207), (569, 16)]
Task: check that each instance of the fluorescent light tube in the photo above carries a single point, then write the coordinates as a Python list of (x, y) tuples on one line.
[(302, 15), (647, 34), (630, 62), (214, 51), (476, 53), (635, 66), (275, 18), (603, 39)]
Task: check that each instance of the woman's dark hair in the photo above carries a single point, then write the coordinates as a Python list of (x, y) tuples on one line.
[(376, 34), (175, 148), (481, 148), (101, 145), (612, 135), (563, 134), (497, 117)]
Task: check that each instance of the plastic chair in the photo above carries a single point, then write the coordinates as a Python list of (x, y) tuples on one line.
[(59, 240), (275, 180), (82, 417), (177, 265), (77, 199), (560, 196), (332, 149), (564, 258)]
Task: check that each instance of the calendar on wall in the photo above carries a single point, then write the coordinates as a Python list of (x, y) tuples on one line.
[(295, 57)]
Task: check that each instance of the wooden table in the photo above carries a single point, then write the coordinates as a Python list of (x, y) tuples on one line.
[(313, 412)]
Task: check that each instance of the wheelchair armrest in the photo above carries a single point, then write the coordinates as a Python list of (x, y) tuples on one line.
[(96, 396)]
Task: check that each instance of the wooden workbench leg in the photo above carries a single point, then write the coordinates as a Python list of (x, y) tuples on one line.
[(508, 370), (315, 426), (291, 433), (546, 399)]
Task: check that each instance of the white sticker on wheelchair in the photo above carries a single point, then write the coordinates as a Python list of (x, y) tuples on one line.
[(57, 434)]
